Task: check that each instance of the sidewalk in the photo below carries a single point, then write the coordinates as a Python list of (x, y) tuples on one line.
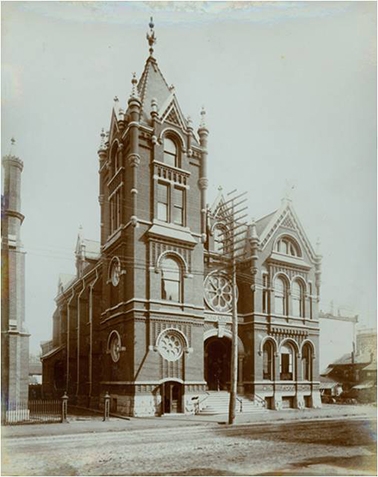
[(95, 424)]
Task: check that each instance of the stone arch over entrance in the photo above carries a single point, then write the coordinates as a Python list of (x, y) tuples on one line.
[(172, 391), (217, 359)]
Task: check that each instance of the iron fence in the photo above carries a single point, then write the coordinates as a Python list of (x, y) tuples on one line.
[(34, 411)]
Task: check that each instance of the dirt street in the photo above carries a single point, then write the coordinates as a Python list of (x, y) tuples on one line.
[(324, 447)]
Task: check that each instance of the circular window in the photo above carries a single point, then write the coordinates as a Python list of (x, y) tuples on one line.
[(115, 271), (170, 345), (218, 292), (115, 346)]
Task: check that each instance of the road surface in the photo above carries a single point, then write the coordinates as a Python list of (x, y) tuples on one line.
[(321, 447)]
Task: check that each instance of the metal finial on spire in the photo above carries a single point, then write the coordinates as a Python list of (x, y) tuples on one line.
[(220, 188), (203, 117), (151, 38), (12, 146)]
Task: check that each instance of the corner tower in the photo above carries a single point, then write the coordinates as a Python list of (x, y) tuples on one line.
[(15, 339), (152, 197)]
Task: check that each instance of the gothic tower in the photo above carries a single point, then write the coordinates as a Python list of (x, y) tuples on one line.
[(15, 339), (152, 200)]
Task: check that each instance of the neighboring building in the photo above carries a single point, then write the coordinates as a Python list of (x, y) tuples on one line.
[(14, 336), (366, 342), (35, 378), (147, 317), (355, 372), (337, 335)]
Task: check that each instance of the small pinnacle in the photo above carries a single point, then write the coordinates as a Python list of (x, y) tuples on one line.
[(220, 188), (203, 116), (116, 99), (102, 142), (13, 141), (134, 82)]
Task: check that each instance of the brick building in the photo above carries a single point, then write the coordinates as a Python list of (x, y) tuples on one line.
[(147, 317), (14, 336)]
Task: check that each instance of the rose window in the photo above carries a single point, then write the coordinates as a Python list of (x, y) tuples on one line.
[(218, 292), (170, 346)]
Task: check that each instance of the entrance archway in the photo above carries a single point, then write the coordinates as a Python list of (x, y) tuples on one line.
[(217, 364), (171, 395)]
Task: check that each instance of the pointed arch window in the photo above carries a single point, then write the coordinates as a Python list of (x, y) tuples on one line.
[(287, 363), (307, 362), (170, 152), (297, 296), (171, 277), (268, 353), (219, 236), (280, 296)]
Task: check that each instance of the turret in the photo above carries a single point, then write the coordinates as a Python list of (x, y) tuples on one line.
[(203, 133)]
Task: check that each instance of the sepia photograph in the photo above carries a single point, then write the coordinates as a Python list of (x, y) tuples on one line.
[(189, 238)]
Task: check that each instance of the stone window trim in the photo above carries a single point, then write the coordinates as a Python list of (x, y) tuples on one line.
[(286, 244), (172, 279), (175, 255), (218, 292), (115, 271), (114, 346), (171, 344), (169, 207), (281, 295)]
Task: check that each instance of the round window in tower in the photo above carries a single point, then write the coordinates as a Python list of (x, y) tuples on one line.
[(114, 346), (170, 345), (115, 271)]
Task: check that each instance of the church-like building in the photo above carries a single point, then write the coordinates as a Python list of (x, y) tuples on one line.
[(147, 318)]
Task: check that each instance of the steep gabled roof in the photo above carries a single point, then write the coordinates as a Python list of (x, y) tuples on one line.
[(286, 217), (263, 222), (152, 85)]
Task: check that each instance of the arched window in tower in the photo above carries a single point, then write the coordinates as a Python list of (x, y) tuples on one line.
[(171, 280), (114, 158), (287, 363), (219, 239), (280, 296), (265, 293), (170, 152), (268, 354), (297, 296), (307, 362), (288, 246)]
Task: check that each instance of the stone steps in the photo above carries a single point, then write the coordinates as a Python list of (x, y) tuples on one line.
[(217, 402)]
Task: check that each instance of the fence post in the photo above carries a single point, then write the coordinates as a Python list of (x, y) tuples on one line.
[(64, 406), (106, 407)]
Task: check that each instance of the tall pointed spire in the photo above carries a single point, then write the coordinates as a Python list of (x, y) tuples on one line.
[(151, 37)]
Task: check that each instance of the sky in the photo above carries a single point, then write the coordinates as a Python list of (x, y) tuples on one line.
[(289, 90)]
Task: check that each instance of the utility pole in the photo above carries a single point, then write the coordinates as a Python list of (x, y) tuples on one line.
[(233, 243)]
